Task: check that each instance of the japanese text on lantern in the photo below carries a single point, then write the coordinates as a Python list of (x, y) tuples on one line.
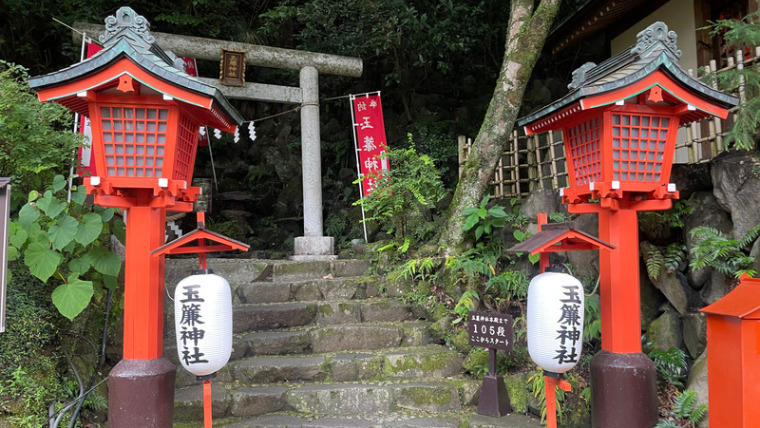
[(192, 325), (490, 330), (370, 139), (569, 332)]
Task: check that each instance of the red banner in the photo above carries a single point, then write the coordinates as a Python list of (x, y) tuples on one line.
[(370, 139)]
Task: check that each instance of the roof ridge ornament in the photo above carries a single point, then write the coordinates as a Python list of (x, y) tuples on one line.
[(656, 34), (127, 18), (579, 75)]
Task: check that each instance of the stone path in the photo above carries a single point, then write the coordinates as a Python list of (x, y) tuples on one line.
[(317, 345)]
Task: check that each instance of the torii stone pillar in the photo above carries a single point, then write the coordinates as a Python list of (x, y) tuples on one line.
[(313, 245)]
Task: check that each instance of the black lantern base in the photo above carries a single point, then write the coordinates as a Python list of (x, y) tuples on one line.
[(493, 400), (141, 394), (623, 391)]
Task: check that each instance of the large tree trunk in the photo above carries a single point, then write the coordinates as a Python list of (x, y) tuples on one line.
[(525, 39)]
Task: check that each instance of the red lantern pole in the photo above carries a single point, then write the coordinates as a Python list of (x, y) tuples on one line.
[(207, 419)]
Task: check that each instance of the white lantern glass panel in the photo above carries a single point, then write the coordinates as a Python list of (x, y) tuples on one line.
[(203, 323), (555, 321)]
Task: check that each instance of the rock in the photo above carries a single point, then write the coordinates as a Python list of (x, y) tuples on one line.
[(695, 333), (690, 178), (672, 287), (706, 211), (665, 332), (540, 201), (651, 300), (755, 254), (737, 185), (716, 287), (697, 382), (653, 228), (585, 263)]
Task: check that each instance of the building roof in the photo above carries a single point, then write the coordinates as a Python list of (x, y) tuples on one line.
[(594, 16), (127, 36), (742, 302), (555, 237), (655, 50)]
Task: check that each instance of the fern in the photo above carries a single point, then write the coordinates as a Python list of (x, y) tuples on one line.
[(671, 365), (714, 249), (675, 255), (684, 409), (466, 303), (653, 258)]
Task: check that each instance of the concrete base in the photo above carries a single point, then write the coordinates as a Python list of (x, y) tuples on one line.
[(314, 248), (141, 394), (624, 391)]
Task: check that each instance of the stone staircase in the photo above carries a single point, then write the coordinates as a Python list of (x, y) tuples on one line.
[(316, 344)]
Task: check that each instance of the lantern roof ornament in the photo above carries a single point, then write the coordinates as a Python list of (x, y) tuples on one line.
[(652, 62), (153, 72), (741, 302)]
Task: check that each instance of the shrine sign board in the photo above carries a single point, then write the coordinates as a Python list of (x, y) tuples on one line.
[(232, 71), (489, 330)]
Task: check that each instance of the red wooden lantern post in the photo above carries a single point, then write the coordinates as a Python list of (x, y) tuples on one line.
[(620, 122), (145, 117)]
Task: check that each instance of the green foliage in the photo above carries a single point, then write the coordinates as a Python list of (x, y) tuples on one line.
[(484, 220), (592, 320), (684, 412), (412, 184), (28, 379), (741, 33), (63, 243), (36, 140), (713, 249), (467, 303), (427, 34), (671, 365), (658, 259)]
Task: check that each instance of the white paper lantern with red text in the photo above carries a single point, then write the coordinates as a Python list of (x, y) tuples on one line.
[(203, 322), (555, 321)]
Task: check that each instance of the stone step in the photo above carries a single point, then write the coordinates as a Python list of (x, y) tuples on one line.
[(322, 339), (458, 419), (432, 361), (254, 317), (307, 290), (245, 271), (334, 399)]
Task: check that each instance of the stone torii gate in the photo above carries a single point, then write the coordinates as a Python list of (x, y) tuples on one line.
[(313, 245)]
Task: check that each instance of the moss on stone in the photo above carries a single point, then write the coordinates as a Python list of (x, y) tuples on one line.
[(517, 391), (460, 339)]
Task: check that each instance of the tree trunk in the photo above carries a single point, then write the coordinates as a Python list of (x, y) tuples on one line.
[(526, 35)]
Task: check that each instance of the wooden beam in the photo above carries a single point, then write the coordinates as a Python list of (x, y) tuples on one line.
[(257, 55)]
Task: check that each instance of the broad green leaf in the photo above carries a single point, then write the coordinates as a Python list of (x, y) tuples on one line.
[(79, 265), (103, 261), (63, 232), (51, 205), (470, 222), (107, 214), (79, 195), (19, 238), (42, 261), (120, 231), (534, 258), (12, 254), (497, 211), (59, 182), (28, 214), (73, 297), (89, 229), (33, 195), (110, 282), (478, 232)]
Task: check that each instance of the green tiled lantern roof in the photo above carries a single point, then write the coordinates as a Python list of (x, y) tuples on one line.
[(655, 49), (127, 34)]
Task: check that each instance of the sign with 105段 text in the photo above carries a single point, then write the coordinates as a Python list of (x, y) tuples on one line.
[(489, 330)]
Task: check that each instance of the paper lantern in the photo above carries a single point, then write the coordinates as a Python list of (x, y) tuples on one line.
[(555, 321), (203, 322)]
